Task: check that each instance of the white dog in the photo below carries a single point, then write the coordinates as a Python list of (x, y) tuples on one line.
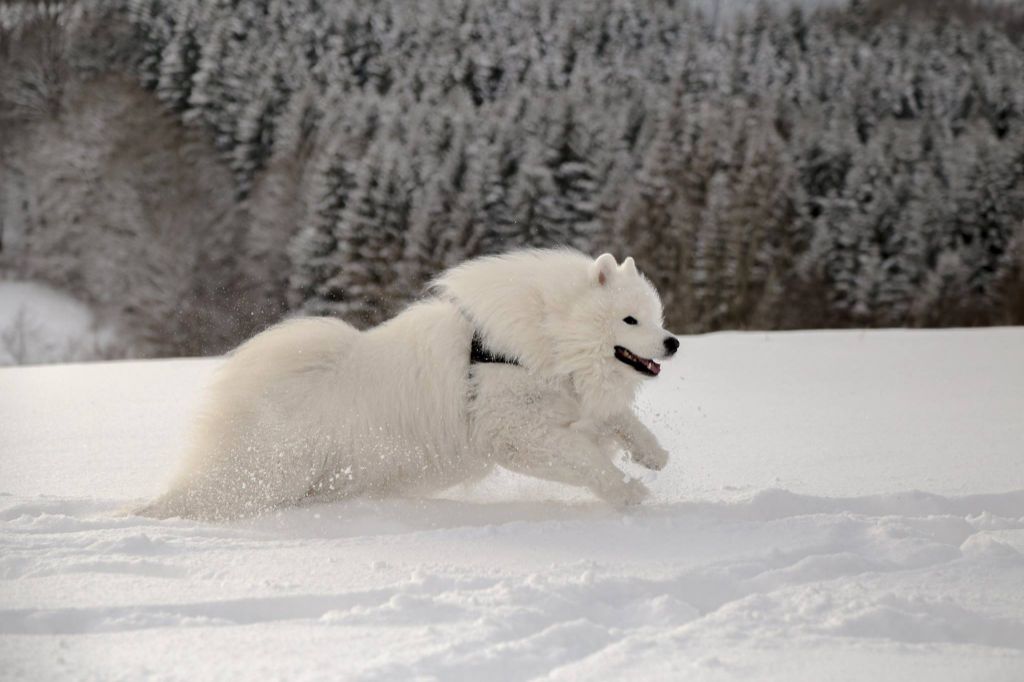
[(528, 361)]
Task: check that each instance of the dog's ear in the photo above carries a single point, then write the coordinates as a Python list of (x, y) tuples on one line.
[(628, 266), (602, 269)]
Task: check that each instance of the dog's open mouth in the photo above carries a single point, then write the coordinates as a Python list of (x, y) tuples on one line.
[(643, 365)]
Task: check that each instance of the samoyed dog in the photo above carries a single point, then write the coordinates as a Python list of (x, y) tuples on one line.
[(528, 361)]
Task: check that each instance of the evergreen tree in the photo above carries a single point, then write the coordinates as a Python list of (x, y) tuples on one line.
[(313, 251), (258, 123), (179, 60), (441, 222), (650, 224), (760, 215), (986, 222), (371, 237), (856, 233), (500, 165), (153, 22), (713, 275)]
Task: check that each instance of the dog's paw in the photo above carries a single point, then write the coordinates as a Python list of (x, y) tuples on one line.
[(654, 459), (628, 494)]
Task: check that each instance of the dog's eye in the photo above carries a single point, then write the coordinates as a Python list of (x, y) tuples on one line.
[(629, 320)]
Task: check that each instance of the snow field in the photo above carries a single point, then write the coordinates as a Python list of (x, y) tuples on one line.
[(842, 505)]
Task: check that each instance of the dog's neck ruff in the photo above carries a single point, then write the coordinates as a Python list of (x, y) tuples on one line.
[(478, 353)]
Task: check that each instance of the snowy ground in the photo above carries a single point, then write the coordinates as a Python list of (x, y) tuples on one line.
[(842, 505)]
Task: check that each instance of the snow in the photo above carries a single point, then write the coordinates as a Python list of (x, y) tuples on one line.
[(841, 505), (41, 324)]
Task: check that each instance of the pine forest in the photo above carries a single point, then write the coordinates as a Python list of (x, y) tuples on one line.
[(199, 169)]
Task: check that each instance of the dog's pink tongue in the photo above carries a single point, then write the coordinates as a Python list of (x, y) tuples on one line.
[(653, 366)]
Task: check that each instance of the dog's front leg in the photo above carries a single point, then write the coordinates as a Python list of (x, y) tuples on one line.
[(642, 445), (568, 456)]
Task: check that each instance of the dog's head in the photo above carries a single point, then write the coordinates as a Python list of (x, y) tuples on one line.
[(560, 312), (626, 311)]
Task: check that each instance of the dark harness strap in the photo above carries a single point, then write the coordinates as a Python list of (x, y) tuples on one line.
[(479, 353)]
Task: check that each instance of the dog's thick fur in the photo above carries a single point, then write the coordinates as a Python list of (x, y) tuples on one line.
[(314, 406)]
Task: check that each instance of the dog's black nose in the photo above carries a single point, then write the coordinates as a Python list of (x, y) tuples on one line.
[(671, 345)]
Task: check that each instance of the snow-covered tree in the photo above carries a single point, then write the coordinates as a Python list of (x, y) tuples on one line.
[(313, 251), (370, 236), (179, 59), (441, 222)]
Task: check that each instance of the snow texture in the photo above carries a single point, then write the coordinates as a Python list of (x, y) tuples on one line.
[(841, 505)]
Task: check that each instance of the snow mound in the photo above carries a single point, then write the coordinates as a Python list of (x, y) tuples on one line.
[(39, 324), (445, 589)]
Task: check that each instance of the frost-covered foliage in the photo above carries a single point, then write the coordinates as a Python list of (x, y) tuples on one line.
[(785, 167)]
